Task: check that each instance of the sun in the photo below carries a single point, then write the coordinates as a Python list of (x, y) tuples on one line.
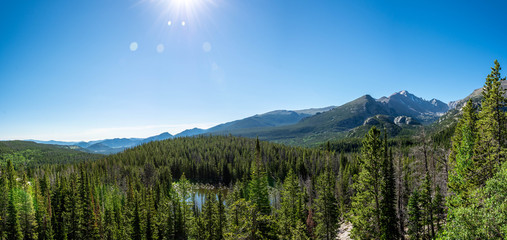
[(187, 10), (185, 3)]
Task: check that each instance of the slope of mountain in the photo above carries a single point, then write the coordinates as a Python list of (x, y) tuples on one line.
[(325, 125), (103, 149), (450, 118), (269, 119), (108, 146), (407, 104), (341, 121), (191, 132), (476, 96), (120, 142), (160, 137)]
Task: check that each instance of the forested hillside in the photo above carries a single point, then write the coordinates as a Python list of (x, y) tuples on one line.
[(31, 154), (226, 187)]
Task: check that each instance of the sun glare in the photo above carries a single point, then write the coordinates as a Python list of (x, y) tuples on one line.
[(186, 11)]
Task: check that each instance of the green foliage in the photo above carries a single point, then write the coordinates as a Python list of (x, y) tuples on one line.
[(326, 207), (365, 212), (236, 212), (462, 154), (27, 213), (4, 202), (13, 227), (258, 190), (30, 154), (291, 212), (216, 160), (476, 204), (426, 201), (414, 216), (485, 217), (388, 217), (490, 147)]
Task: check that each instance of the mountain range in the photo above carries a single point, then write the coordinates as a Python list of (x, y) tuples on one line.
[(400, 113), (108, 146), (270, 119)]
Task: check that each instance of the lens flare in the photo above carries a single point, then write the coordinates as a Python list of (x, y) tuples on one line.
[(160, 48), (186, 12), (133, 46), (206, 46)]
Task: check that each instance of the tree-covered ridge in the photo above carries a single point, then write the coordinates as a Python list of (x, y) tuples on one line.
[(221, 160), (31, 154)]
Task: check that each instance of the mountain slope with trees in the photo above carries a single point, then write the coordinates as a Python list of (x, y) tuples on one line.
[(227, 187)]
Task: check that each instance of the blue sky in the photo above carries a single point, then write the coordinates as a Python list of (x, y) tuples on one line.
[(67, 70)]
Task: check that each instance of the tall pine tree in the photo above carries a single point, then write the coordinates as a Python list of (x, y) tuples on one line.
[(462, 156), (326, 206), (290, 214), (490, 147), (12, 226), (388, 217), (365, 211)]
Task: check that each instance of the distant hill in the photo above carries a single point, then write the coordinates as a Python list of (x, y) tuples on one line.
[(109, 146), (33, 154), (269, 119), (191, 132)]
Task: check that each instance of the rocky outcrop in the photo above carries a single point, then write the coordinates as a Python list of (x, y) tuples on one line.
[(404, 120)]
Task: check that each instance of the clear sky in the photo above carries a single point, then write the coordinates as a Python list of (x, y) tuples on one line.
[(95, 69)]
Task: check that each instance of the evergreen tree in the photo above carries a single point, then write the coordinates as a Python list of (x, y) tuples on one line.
[(150, 227), (197, 228), (43, 210), (462, 155), (137, 233), (220, 220), (438, 207), (290, 214), (183, 219), (258, 187), (75, 220), (426, 200), (27, 216), (166, 229), (13, 226), (238, 224), (388, 217), (59, 209), (209, 215), (110, 231), (259, 198), (365, 211), (179, 222), (4, 202), (490, 146), (414, 216), (89, 228), (326, 208)]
